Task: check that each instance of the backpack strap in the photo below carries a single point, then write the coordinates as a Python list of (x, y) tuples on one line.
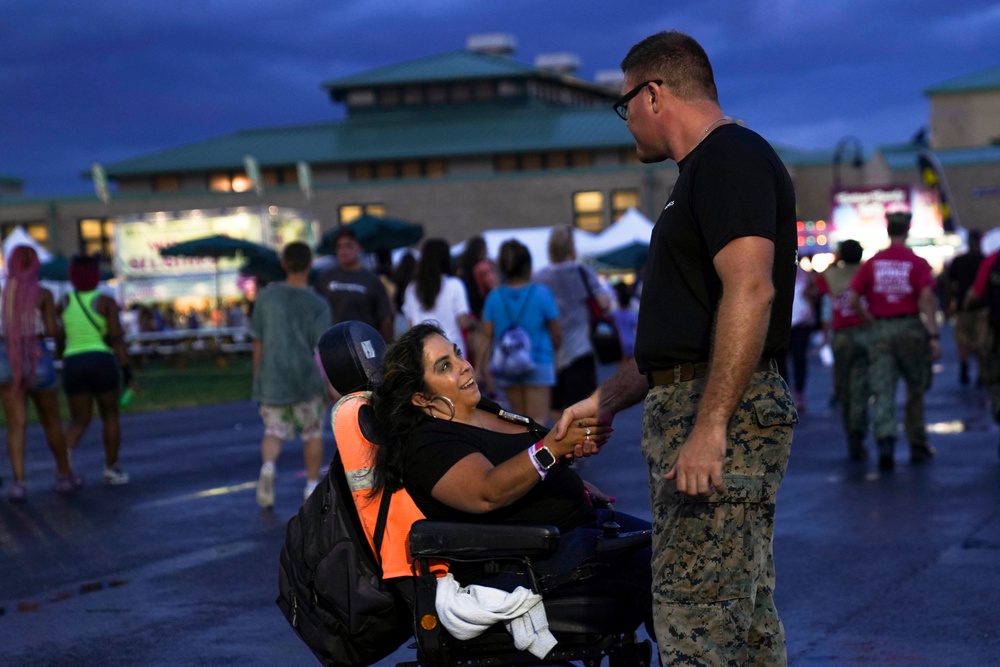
[(524, 304), (383, 517)]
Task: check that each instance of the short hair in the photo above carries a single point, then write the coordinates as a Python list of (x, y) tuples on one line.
[(975, 237), (678, 60), (84, 272), (898, 223), (850, 251), (344, 231), (514, 260), (297, 257), (561, 243)]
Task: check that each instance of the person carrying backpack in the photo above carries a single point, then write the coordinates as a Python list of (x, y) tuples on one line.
[(517, 313)]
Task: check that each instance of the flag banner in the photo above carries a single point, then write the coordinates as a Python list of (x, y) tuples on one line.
[(100, 178), (932, 176), (252, 169), (305, 178)]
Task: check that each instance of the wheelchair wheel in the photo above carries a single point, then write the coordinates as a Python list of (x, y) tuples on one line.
[(631, 654)]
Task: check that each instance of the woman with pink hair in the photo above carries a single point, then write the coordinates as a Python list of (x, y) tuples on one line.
[(27, 314)]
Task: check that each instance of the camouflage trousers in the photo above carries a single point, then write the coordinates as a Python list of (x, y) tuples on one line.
[(713, 570), (899, 349), (850, 376)]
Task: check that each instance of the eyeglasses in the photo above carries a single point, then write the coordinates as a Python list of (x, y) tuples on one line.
[(621, 106)]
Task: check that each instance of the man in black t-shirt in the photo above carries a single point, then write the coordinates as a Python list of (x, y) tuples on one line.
[(715, 311), (352, 291), (970, 322)]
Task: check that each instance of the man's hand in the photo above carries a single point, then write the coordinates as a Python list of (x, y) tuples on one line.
[(588, 408), (698, 469)]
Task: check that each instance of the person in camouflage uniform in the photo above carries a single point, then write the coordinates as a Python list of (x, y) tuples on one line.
[(715, 312), (849, 343), (986, 290), (891, 291)]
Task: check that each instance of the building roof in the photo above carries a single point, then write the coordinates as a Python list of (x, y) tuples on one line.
[(904, 156), (462, 65), (987, 79), (397, 135)]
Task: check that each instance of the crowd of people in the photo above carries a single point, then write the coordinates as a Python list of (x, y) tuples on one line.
[(84, 330), (473, 298), (724, 306)]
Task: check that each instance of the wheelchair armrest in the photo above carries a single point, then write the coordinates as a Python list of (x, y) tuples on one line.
[(447, 539), (610, 549)]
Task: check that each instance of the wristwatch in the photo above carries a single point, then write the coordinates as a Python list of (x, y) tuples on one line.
[(544, 457)]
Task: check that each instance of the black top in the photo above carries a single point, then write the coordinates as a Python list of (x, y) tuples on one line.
[(437, 445), (731, 185), (962, 273)]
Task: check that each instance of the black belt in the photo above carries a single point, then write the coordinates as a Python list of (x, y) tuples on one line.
[(897, 317), (694, 371)]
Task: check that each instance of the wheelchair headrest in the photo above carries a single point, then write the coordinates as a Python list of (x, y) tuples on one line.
[(351, 353)]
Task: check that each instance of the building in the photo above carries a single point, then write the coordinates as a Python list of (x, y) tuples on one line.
[(474, 139)]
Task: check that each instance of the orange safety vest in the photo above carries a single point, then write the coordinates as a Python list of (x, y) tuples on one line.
[(358, 455)]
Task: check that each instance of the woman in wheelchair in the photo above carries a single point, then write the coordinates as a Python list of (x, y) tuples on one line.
[(462, 458)]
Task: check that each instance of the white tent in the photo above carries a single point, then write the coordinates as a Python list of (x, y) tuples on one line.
[(21, 237), (632, 227), (536, 239)]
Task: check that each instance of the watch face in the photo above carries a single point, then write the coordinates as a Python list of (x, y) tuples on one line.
[(545, 458)]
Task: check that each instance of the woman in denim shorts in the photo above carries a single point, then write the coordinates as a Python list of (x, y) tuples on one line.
[(26, 369)]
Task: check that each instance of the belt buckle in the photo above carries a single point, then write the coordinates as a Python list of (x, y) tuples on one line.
[(677, 373)]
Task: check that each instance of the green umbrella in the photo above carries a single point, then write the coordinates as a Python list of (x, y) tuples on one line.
[(57, 269), (216, 246), (631, 256), (375, 233)]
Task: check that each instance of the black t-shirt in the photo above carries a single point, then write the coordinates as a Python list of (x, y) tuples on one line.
[(354, 295), (962, 273), (731, 185), (437, 445)]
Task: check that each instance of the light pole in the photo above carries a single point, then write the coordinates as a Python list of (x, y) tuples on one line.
[(857, 161)]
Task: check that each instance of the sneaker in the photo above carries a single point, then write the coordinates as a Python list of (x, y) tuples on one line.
[(69, 484), (115, 476), (310, 487), (265, 486), (17, 493)]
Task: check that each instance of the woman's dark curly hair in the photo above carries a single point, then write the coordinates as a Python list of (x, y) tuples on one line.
[(402, 377)]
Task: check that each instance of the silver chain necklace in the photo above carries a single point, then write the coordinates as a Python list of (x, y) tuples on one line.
[(713, 124)]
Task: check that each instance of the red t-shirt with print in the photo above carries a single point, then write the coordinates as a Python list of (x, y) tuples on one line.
[(892, 281)]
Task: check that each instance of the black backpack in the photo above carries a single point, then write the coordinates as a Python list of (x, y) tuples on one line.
[(330, 583)]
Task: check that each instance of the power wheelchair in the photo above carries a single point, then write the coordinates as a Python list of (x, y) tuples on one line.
[(588, 627)]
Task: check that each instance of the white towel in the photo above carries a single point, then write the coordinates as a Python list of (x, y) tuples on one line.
[(467, 612)]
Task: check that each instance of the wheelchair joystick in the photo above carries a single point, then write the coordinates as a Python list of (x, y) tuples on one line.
[(611, 527)]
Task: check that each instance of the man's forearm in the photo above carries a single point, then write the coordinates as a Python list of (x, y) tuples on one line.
[(740, 330), (623, 389)]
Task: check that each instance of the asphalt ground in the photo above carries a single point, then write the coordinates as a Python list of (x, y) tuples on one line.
[(179, 567)]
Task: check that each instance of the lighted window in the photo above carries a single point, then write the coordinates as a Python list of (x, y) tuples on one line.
[(413, 95), (485, 91), (623, 200), (505, 163), (531, 161), (96, 235), (437, 94), (361, 171), (582, 159), (220, 181), (241, 183), (557, 160), (166, 183), (36, 230), (436, 168), (588, 210), (348, 213), (385, 170), (461, 92), (411, 169), (389, 97)]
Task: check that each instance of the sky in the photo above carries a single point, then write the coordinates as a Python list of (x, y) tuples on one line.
[(108, 80)]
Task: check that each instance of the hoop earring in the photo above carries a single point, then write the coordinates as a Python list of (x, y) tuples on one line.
[(451, 405)]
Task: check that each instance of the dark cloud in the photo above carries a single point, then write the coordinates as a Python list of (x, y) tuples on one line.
[(107, 81)]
